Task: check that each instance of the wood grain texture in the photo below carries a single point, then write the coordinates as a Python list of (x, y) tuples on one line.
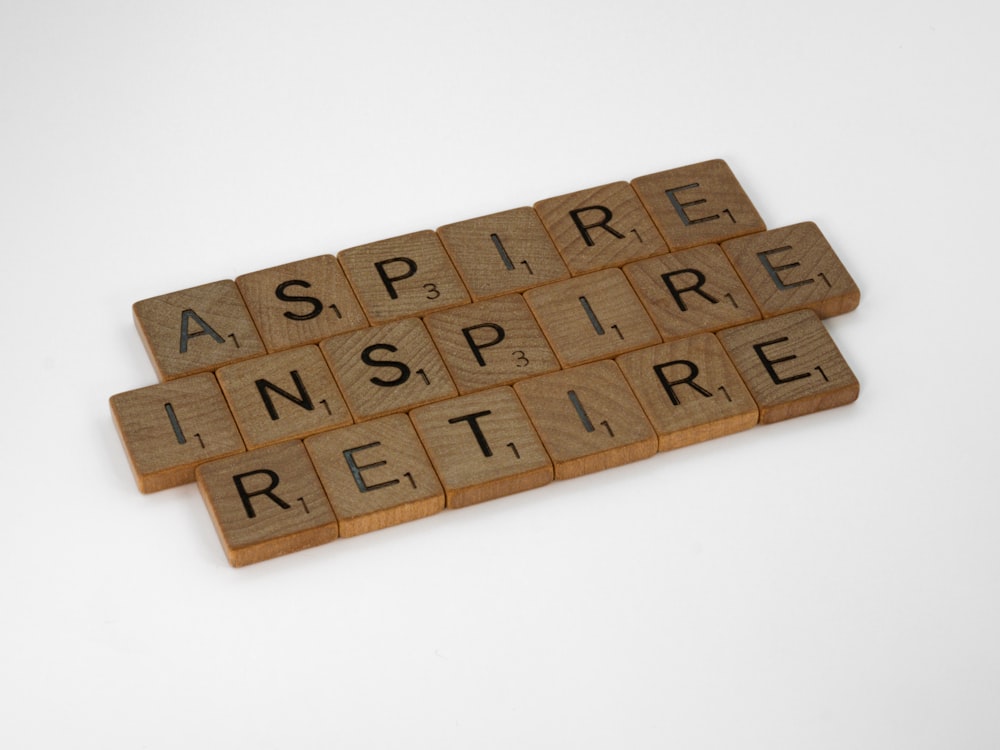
[(791, 365), (491, 343), (197, 329), (301, 303), (482, 446), (591, 317), (691, 291), (376, 474), (388, 368), (689, 390), (602, 227), (698, 204), (169, 429), (502, 253), (588, 419), (403, 276), (794, 268), (267, 502), (284, 395)]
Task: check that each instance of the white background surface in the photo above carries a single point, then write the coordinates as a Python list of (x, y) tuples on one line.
[(828, 582)]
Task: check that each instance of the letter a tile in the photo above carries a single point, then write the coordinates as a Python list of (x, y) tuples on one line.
[(791, 365), (266, 503)]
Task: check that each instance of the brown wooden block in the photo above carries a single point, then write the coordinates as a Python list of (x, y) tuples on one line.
[(793, 268), (196, 329), (602, 227), (267, 502), (503, 253), (490, 343), (691, 291), (301, 303), (698, 204), (483, 446), (690, 390), (403, 276), (588, 419), (170, 428), (376, 474), (387, 368), (791, 365), (591, 317), (284, 395)]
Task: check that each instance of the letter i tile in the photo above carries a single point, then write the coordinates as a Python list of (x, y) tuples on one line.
[(376, 474), (588, 418), (483, 446), (791, 365), (266, 503)]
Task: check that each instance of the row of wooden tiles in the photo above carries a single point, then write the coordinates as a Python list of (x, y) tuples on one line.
[(393, 367), (467, 449), (575, 235)]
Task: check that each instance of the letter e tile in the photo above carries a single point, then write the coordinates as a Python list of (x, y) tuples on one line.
[(791, 365), (376, 474), (266, 503)]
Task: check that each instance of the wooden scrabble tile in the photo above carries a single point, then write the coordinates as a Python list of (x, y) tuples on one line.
[(602, 227), (591, 317), (376, 474), (301, 303), (791, 365), (502, 253), (691, 291), (483, 446), (588, 418), (403, 276), (387, 368), (284, 395), (690, 390), (196, 329), (698, 204), (267, 502), (490, 343), (793, 268), (170, 428)]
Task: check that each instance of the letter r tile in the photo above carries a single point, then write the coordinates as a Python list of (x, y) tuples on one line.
[(699, 204), (267, 502), (376, 474), (483, 446), (791, 365)]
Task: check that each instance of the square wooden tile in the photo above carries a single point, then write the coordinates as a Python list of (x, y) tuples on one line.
[(791, 365), (602, 227), (502, 253), (691, 291), (698, 204), (376, 474), (403, 276), (483, 446), (690, 390), (387, 368), (284, 395), (794, 268), (490, 343), (170, 428), (588, 419), (267, 502), (196, 329), (592, 317), (301, 303)]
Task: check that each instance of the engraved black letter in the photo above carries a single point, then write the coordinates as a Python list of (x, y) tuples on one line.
[(668, 279), (668, 385), (472, 419), (411, 268), (476, 348), (772, 271), (404, 371), (302, 400), (317, 306), (245, 495), (356, 470), (769, 363), (186, 317), (602, 223)]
